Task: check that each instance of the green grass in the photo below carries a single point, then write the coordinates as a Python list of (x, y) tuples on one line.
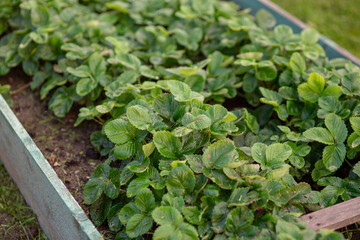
[(17, 220), (339, 20)]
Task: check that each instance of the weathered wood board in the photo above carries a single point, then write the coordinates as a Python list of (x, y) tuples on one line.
[(59, 215), (334, 217)]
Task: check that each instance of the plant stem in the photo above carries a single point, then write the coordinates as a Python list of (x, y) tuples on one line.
[(21, 88), (349, 163)]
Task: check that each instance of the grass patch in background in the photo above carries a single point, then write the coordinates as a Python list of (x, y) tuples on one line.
[(339, 20), (17, 220)]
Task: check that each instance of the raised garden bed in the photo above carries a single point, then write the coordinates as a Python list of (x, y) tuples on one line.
[(59, 214)]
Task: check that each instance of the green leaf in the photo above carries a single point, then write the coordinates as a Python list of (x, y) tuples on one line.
[(251, 122), (149, 73), (333, 156), (126, 150), (277, 153), (60, 102), (181, 180), (309, 36), (181, 231), (167, 215), (165, 105), (129, 61), (120, 131), (85, 86), (336, 127), (148, 149), (93, 190), (333, 90), (139, 117), (181, 131), (356, 169), (196, 82), (297, 63), (329, 195), (313, 89), (266, 71), (250, 83), (195, 162), (196, 122), (167, 144), (334, 181), (180, 90), (111, 184), (239, 197), (270, 97), (215, 63), (139, 166), (328, 105), (167, 231), (138, 225), (278, 170), (282, 34), (319, 134), (356, 142), (307, 93), (219, 216), (145, 200), (288, 93), (316, 82), (355, 124), (320, 170), (75, 52), (188, 231), (239, 219), (51, 84), (99, 210), (192, 215), (218, 154), (127, 212), (258, 152), (297, 161), (114, 222), (104, 179), (288, 230), (97, 65), (105, 107), (217, 113), (218, 177), (82, 71), (188, 71), (265, 19)]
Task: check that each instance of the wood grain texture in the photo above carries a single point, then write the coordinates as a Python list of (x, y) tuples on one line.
[(334, 217), (59, 215), (332, 49)]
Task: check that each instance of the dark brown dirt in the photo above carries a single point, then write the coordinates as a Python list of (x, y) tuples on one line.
[(67, 149)]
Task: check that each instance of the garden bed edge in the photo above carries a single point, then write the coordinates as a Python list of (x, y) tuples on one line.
[(59, 215)]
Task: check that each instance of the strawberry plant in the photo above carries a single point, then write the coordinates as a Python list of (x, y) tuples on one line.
[(183, 176), (179, 164)]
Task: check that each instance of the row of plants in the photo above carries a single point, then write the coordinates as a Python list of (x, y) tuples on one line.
[(157, 75)]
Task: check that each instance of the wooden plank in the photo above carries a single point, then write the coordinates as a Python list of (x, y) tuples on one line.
[(334, 217), (59, 215), (332, 49)]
